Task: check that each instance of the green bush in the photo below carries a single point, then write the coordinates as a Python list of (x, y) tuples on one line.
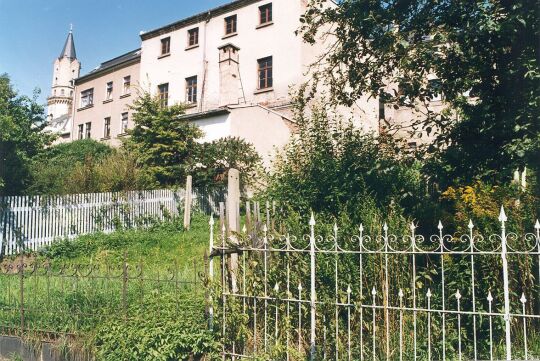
[(157, 330)]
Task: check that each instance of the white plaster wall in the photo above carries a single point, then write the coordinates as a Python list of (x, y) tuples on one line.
[(214, 127), (277, 40), (266, 130)]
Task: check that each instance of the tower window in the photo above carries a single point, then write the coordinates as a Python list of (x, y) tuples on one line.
[(265, 72), (163, 94), (107, 128), (124, 124), (165, 46), (62, 92), (265, 14), (230, 24), (193, 37), (127, 84), (87, 98), (88, 130), (109, 92), (191, 89)]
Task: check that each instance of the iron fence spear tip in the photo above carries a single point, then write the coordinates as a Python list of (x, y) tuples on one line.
[(502, 215), (471, 225), (373, 291), (362, 227), (400, 293), (489, 297), (211, 222), (458, 295), (537, 225), (385, 227), (335, 227), (349, 289), (440, 226), (428, 294), (523, 299), (312, 220)]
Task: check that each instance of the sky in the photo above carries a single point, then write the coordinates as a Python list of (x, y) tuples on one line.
[(33, 32)]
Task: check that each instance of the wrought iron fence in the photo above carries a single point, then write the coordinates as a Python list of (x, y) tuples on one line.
[(374, 297), (47, 299)]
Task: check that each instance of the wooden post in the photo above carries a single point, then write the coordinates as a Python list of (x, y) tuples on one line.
[(187, 203), (233, 222)]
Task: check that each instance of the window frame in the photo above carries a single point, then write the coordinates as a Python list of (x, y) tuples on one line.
[(107, 127), (268, 73), (165, 43), (163, 95), (124, 122), (193, 34), (80, 131), (234, 24), (191, 89), (87, 98), (127, 85), (88, 130), (109, 88), (267, 11)]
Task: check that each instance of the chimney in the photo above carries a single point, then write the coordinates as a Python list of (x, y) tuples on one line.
[(230, 85)]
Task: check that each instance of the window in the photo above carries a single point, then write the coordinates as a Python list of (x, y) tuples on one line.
[(107, 128), (81, 131), (127, 84), (265, 14), (165, 46), (88, 130), (265, 73), (435, 89), (108, 94), (124, 125), (87, 98), (62, 92), (191, 89), (163, 93), (193, 37), (230, 25)]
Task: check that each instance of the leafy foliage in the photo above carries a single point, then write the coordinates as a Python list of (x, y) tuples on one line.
[(217, 157), (489, 48), (163, 142), (158, 332), (21, 139), (331, 167)]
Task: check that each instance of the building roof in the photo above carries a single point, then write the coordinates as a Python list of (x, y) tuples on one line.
[(231, 6), (129, 58), (69, 48)]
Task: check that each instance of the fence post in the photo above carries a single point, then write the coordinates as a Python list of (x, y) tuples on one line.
[(187, 203), (21, 293), (312, 295), (233, 221), (124, 284), (211, 275), (503, 219)]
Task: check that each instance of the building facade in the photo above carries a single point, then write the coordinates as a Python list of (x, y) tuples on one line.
[(103, 97), (234, 68)]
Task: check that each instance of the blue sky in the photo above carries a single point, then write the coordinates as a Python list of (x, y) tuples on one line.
[(32, 32)]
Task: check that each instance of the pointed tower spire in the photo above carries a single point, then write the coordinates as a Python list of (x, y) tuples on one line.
[(69, 47)]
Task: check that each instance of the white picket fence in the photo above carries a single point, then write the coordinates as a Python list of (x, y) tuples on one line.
[(31, 222)]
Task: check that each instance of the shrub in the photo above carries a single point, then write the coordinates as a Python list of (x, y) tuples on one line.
[(217, 157), (157, 330)]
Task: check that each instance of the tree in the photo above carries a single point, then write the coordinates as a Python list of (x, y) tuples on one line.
[(217, 157), (487, 47), (21, 138), (164, 143), (52, 170)]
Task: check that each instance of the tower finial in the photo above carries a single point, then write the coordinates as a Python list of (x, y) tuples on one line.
[(70, 28)]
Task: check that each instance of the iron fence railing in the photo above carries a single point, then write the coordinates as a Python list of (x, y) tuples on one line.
[(384, 297), (48, 299)]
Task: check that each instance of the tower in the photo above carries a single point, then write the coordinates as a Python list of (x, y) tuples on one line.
[(66, 69)]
